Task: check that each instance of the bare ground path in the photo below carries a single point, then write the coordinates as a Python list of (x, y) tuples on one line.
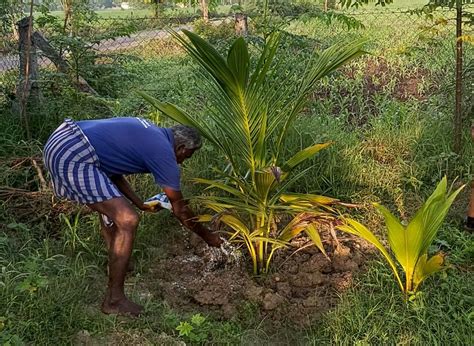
[(12, 61)]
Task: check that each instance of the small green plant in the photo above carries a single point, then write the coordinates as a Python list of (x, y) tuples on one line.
[(197, 330), (7, 339), (72, 238), (410, 243)]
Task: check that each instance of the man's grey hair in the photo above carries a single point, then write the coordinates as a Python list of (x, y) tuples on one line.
[(187, 136)]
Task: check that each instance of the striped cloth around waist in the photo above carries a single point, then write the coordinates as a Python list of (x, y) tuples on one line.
[(74, 166)]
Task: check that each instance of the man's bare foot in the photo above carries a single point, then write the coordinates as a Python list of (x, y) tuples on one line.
[(121, 307)]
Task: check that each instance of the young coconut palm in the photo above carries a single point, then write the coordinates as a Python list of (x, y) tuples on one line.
[(248, 123), (410, 243)]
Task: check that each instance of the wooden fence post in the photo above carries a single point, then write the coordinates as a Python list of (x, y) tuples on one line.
[(28, 60), (27, 85), (241, 24)]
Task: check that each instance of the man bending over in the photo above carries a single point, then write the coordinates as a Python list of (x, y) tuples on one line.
[(87, 161)]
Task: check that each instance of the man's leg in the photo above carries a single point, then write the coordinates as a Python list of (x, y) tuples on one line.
[(121, 243), (470, 211), (108, 233)]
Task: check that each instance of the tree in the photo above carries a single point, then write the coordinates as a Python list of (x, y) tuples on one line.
[(461, 15), (204, 4), (11, 11)]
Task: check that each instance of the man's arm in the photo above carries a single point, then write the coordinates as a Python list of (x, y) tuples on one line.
[(126, 189), (185, 215)]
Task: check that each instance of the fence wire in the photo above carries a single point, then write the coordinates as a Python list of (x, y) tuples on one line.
[(128, 38)]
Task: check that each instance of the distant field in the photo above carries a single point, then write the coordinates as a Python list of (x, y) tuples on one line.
[(115, 13), (143, 12), (138, 13), (402, 4)]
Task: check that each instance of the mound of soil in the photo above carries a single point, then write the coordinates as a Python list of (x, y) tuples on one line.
[(302, 285)]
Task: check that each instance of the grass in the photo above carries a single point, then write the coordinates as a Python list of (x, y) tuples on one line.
[(386, 148), (373, 313)]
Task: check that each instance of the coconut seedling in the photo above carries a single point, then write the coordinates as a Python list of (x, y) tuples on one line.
[(248, 123), (409, 244)]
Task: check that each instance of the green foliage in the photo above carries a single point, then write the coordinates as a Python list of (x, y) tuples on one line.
[(212, 32), (448, 3), (372, 313), (196, 331), (71, 236), (429, 10), (10, 12), (268, 17), (76, 38), (248, 125), (410, 243), (7, 339)]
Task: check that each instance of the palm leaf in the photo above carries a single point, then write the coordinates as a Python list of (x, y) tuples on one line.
[(179, 116), (234, 223), (353, 227), (283, 186), (404, 244), (303, 155), (238, 62), (264, 181), (425, 268), (325, 63), (313, 234), (225, 187), (209, 58), (312, 199), (436, 209)]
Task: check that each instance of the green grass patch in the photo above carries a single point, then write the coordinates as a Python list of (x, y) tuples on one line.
[(373, 311)]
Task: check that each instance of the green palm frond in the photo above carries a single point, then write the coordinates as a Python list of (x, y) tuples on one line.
[(303, 155), (313, 234), (354, 227), (308, 199)]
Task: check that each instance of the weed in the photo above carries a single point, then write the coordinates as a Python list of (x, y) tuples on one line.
[(196, 330)]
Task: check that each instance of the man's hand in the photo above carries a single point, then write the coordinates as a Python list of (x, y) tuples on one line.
[(185, 215), (212, 239)]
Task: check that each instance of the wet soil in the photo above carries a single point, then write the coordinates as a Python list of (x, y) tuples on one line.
[(301, 286)]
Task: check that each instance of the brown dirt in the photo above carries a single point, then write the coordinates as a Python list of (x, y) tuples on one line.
[(301, 286), (379, 74), (380, 77)]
